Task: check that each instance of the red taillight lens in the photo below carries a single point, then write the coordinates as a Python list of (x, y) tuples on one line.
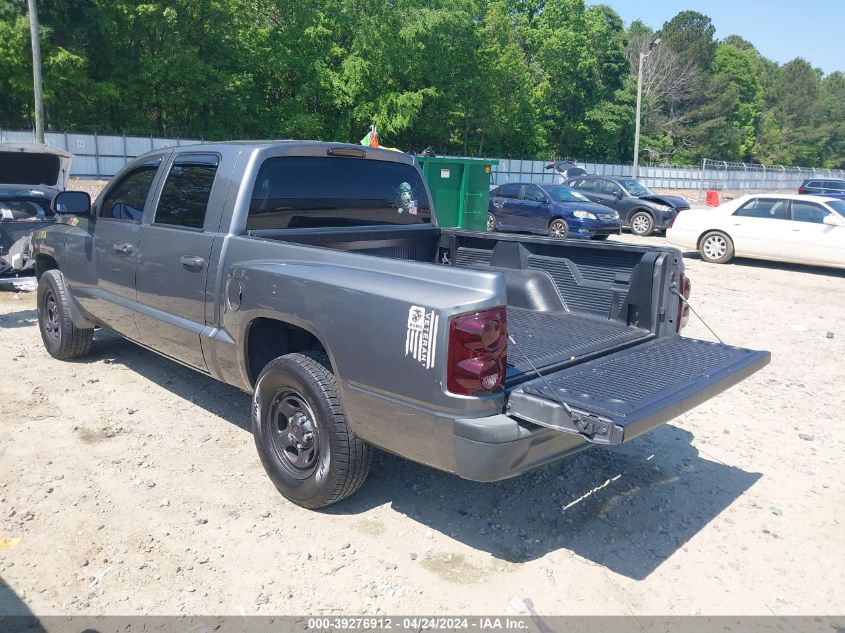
[(802, 190), (478, 345), (685, 287)]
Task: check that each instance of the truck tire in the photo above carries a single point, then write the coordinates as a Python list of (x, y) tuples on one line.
[(716, 247), (642, 224), (301, 434), (62, 339)]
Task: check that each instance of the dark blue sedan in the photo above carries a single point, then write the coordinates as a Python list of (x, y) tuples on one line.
[(553, 210)]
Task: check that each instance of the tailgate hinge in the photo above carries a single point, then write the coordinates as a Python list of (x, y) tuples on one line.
[(595, 428)]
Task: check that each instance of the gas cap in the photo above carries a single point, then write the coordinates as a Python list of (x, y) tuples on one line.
[(233, 294)]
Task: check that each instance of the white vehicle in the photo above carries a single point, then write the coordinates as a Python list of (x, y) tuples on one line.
[(787, 228)]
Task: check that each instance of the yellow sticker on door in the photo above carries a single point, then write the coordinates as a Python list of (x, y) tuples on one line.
[(444, 173)]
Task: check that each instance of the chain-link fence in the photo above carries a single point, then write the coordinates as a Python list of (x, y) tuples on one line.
[(102, 156), (718, 175)]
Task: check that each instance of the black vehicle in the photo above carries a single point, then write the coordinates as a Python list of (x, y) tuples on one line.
[(30, 175), (832, 187), (638, 206)]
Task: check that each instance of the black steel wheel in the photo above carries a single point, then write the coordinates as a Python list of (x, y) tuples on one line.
[(301, 434), (61, 338)]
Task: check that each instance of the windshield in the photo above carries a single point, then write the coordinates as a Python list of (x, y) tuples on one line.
[(838, 206), (565, 194), (635, 188)]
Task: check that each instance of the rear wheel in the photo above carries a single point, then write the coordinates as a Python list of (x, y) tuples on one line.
[(642, 224), (62, 339), (558, 228), (491, 222), (716, 248), (301, 433)]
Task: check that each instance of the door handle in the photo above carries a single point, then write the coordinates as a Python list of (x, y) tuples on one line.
[(123, 248), (193, 262)]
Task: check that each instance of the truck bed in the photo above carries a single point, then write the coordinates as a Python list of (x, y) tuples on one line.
[(568, 301), (560, 339)]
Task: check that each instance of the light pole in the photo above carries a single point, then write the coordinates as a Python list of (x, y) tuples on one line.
[(651, 46), (36, 72)]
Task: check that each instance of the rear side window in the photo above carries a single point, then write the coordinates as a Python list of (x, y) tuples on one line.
[(126, 200), (587, 184), (509, 191), (769, 208), (299, 192), (184, 199)]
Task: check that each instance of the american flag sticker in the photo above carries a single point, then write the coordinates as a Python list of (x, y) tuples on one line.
[(421, 338)]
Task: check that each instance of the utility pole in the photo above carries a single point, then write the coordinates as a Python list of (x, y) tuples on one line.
[(36, 72), (636, 165)]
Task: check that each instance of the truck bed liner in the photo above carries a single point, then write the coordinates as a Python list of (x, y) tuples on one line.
[(552, 338)]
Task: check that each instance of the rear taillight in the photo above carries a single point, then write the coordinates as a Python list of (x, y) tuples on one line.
[(684, 287), (478, 346), (801, 189)]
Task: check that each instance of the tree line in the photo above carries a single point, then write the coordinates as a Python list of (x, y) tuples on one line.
[(472, 77)]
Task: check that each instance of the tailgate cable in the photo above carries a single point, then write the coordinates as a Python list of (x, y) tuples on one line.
[(681, 296), (584, 422)]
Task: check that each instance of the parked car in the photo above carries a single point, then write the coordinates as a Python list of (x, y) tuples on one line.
[(30, 175), (301, 272), (790, 228), (553, 210), (830, 187), (638, 206)]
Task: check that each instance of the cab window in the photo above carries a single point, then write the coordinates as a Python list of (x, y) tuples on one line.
[(127, 198)]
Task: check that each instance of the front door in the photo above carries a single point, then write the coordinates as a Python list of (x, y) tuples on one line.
[(173, 261), (810, 240), (116, 230)]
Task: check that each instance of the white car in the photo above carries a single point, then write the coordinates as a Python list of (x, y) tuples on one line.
[(787, 228)]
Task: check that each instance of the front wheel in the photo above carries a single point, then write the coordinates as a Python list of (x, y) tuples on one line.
[(642, 224), (62, 339), (491, 222), (716, 248), (301, 434), (558, 228)]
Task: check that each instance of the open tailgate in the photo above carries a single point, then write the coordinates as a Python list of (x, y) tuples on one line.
[(613, 399)]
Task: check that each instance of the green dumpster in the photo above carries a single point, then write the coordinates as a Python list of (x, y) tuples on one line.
[(460, 188)]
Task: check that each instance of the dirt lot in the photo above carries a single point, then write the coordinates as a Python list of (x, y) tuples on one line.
[(133, 486)]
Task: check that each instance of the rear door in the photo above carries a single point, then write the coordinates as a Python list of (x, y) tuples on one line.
[(531, 215), (116, 231), (506, 205), (760, 227), (810, 240), (615, 398), (173, 259)]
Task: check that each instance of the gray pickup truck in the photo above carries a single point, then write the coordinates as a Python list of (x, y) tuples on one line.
[(314, 276)]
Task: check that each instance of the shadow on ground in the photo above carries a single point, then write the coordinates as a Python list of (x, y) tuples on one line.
[(21, 318), (627, 509), (772, 265), (15, 615)]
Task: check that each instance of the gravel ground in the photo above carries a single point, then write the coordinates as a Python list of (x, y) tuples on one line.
[(130, 485)]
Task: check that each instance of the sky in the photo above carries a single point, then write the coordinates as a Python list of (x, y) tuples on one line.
[(781, 30)]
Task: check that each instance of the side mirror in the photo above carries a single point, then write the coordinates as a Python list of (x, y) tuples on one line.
[(72, 203), (617, 194), (832, 220), (542, 199)]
